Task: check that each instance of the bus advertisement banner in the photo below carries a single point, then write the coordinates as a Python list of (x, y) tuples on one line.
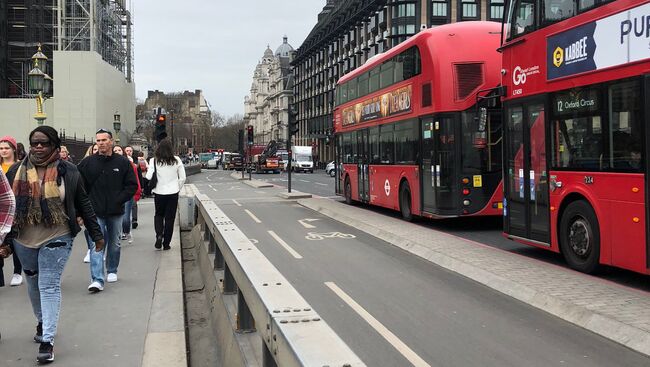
[(387, 104), (614, 40)]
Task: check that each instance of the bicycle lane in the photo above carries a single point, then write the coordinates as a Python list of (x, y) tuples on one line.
[(418, 311)]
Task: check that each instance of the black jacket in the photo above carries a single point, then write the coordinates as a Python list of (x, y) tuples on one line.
[(110, 182), (76, 203)]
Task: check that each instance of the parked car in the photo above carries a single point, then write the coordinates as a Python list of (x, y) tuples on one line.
[(330, 169)]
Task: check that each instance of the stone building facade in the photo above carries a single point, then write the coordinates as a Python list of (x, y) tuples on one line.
[(347, 34), (267, 106), (188, 115)]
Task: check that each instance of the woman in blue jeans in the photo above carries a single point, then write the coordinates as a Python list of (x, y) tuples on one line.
[(50, 205)]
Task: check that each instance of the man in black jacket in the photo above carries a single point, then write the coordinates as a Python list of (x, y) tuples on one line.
[(110, 182)]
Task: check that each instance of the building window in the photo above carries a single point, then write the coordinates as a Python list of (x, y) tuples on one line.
[(496, 10), (440, 12), (469, 10)]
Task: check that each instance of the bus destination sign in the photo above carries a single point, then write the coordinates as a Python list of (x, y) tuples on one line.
[(387, 104), (614, 40)]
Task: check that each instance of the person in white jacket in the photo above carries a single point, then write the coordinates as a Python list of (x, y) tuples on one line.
[(170, 173)]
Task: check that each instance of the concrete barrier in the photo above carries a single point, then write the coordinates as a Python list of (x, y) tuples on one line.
[(192, 169)]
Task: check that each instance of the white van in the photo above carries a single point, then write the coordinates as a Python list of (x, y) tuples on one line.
[(301, 159)]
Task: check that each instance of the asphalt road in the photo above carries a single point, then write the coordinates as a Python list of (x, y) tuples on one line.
[(486, 230), (432, 317)]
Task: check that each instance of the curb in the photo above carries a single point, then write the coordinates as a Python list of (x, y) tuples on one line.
[(165, 343), (627, 335), (294, 195)]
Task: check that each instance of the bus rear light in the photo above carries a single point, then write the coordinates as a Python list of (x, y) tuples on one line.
[(465, 180), (466, 202), (465, 191)]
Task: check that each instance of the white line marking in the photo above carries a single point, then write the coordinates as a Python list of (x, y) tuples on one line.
[(236, 203), (304, 180), (307, 225), (260, 192), (252, 216), (381, 329), (322, 184), (285, 245)]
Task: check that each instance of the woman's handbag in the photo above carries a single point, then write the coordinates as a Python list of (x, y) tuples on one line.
[(154, 179)]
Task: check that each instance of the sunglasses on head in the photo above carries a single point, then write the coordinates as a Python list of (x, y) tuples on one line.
[(104, 131), (44, 144)]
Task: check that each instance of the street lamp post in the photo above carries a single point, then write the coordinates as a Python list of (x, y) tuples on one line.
[(117, 125), (40, 83)]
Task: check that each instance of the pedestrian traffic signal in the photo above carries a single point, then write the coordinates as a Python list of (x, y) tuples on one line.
[(249, 131), (160, 131), (293, 120)]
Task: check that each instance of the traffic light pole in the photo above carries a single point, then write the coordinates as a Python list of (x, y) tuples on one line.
[(289, 163)]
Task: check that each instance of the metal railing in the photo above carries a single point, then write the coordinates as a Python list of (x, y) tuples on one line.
[(292, 333)]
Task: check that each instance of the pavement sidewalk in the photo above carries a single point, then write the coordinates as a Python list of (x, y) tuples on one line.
[(131, 323), (616, 312)]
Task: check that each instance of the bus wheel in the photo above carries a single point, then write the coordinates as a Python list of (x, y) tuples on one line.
[(405, 202), (580, 237), (348, 191)]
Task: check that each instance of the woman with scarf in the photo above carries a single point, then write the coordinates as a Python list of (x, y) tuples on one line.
[(50, 205)]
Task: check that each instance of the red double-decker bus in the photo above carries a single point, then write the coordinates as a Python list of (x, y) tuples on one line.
[(407, 132), (577, 92)]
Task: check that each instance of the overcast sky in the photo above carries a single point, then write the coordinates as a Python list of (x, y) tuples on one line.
[(213, 45)]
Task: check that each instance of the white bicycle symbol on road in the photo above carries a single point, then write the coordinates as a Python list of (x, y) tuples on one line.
[(312, 236)]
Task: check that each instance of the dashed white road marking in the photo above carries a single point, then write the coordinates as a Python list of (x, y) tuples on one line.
[(407, 352), (304, 180), (252, 216), (321, 184), (285, 245), (236, 203)]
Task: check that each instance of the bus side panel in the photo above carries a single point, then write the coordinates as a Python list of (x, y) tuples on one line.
[(620, 212), (351, 171), (384, 186)]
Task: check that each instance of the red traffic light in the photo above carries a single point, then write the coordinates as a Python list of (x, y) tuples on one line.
[(162, 118)]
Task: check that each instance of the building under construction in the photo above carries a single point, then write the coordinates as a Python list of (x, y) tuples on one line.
[(103, 26)]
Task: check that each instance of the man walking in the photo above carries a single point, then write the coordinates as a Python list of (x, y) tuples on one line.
[(110, 182)]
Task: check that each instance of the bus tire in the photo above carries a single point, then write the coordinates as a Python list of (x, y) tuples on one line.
[(347, 191), (580, 237), (405, 202)]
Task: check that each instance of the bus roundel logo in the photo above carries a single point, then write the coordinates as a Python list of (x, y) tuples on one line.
[(387, 187)]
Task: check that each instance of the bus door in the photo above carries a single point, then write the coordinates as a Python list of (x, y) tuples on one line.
[(526, 208), (440, 189), (362, 165), (428, 167)]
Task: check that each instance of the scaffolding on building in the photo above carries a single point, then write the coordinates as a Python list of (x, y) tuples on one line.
[(103, 26), (29, 22)]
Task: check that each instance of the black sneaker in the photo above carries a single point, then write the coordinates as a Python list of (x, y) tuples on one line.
[(158, 243), (45, 353), (38, 338), (166, 247), (134, 225)]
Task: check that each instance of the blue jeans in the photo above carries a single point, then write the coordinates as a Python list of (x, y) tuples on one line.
[(43, 267), (126, 218), (111, 227)]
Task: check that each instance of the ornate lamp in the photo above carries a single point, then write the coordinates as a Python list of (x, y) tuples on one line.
[(39, 83)]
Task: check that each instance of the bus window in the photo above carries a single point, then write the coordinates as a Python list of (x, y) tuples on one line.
[(406, 135), (625, 126), (556, 10), (386, 145), (374, 146), (523, 17), (386, 76), (363, 84), (343, 93), (374, 80)]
